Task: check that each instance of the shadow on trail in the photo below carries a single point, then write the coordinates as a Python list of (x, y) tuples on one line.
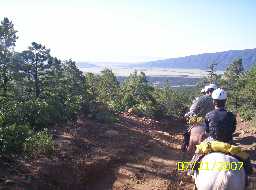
[(246, 140)]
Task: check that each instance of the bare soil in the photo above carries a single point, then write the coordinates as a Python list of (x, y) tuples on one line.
[(132, 154)]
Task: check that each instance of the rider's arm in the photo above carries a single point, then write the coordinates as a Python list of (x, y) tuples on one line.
[(195, 106)]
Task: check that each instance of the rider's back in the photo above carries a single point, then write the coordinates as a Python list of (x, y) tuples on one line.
[(220, 125), (202, 106)]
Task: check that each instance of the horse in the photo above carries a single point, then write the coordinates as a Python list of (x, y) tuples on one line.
[(212, 179), (197, 135)]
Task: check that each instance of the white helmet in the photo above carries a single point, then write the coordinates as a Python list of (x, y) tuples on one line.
[(205, 88), (214, 86), (219, 94)]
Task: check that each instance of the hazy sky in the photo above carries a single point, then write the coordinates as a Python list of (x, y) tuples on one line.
[(132, 30)]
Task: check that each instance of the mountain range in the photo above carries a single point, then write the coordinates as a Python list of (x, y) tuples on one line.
[(202, 61)]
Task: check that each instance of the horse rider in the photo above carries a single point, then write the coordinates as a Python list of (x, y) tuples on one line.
[(199, 108), (203, 92), (220, 124), (203, 104)]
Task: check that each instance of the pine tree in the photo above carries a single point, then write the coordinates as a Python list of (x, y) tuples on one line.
[(137, 90), (246, 94), (8, 39), (108, 87), (35, 66), (212, 75), (231, 81)]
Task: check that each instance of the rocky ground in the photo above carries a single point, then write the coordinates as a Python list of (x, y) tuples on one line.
[(133, 154)]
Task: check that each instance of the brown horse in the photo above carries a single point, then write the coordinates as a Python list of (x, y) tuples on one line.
[(197, 135)]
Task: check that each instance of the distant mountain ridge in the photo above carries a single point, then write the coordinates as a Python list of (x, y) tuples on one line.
[(202, 61)]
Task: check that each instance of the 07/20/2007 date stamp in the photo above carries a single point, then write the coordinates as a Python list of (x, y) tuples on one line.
[(210, 166)]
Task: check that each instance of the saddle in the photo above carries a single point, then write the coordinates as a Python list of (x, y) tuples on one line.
[(217, 146), (195, 120)]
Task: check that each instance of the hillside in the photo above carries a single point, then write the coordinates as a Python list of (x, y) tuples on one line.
[(202, 61), (135, 153)]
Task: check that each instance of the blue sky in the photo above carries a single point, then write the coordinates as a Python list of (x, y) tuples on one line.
[(132, 31)]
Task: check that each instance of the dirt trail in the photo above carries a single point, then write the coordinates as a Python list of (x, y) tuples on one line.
[(133, 154)]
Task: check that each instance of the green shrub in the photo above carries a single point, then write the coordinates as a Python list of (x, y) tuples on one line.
[(13, 137), (136, 90), (55, 111), (108, 87), (39, 143), (105, 117), (116, 105), (148, 109), (73, 105), (246, 112), (95, 107), (34, 112), (128, 101), (41, 113), (171, 103), (100, 112)]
